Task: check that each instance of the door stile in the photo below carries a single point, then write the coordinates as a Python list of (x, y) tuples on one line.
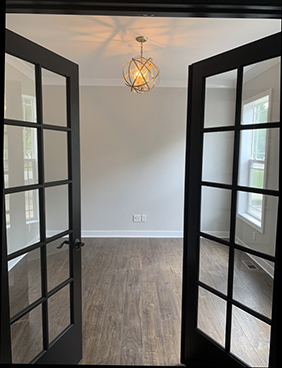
[(236, 149)]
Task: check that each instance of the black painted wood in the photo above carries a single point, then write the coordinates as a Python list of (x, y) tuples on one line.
[(180, 8), (67, 347), (194, 342)]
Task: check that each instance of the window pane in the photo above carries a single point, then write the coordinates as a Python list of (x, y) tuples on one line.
[(20, 156), (54, 98), (215, 211), (57, 216), (24, 281), (26, 337), (218, 157), (250, 338), (220, 100), (214, 264), (22, 219), (55, 155), (259, 158), (261, 92), (252, 232), (212, 315), (57, 263), (253, 282), (59, 312), (19, 97)]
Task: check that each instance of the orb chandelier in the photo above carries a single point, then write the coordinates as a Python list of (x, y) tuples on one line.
[(141, 74)]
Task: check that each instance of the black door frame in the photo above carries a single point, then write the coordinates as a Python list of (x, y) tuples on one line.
[(253, 9), (68, 345), (193, 341)]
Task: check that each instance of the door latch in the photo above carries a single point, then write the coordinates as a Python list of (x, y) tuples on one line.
[(77, 244)]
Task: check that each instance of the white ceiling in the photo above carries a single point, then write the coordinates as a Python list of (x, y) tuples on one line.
[(101, 45)]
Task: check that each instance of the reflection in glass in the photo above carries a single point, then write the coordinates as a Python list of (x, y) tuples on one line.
[(55, 155), (253, 286), (22, 219), (220, 99), (57, 216), (215, 308), (24, 281), (20, 156), (256, 221), (215, 211), (26, 337), (218, 157), (214, 264), (19, 97), (261, 92), (250, 338), (54, 98), (59, 312), (259, 158), (57, 263)]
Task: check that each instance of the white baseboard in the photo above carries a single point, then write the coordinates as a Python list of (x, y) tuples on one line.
[(260, 261), (218, 234), (14, 261), (131, 234)]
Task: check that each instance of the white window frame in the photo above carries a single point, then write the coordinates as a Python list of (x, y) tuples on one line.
[(243, 211)]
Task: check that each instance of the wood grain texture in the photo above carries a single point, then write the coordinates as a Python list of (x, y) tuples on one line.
[(139, 316), (131, 297)]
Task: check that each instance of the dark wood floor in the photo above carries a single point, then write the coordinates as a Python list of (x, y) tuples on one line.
[(132, 301), (131, 297)]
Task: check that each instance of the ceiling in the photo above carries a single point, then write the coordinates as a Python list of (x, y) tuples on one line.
[(101, 45)]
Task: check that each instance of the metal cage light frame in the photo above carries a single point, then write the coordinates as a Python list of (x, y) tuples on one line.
[(141, 74)]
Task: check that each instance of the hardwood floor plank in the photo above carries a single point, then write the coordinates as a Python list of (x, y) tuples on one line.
[(153, 345)]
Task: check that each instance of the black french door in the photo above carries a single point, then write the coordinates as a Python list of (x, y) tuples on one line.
[(41, 248), (231, 233)]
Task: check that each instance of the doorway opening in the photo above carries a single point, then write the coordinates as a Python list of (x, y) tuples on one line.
[(161, 160)]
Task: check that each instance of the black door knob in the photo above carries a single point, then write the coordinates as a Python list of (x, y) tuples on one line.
[(77, 244)]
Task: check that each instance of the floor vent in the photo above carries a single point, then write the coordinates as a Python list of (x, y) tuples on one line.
[(250, 265)]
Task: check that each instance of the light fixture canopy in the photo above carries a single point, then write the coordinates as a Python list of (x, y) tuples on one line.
[(141, 74)]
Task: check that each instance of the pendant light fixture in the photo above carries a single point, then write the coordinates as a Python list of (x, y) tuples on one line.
[(141, 74)]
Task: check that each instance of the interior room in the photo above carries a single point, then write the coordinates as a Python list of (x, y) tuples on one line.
[(132, 161)]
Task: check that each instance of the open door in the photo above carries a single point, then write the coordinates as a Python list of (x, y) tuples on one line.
[(231, 237), (41, 248)]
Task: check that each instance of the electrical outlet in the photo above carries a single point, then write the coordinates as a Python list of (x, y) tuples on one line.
[(143, 218), (136, 218)]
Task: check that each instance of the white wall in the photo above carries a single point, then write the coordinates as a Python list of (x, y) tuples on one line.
[(132, 161)]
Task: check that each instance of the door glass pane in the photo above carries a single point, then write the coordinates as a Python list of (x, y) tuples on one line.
[(212, 315), (259, 158), (20, 156), (26, 337), (19, 97), (24, 280), (256, 221), (214, 264), (55, 155), (215, 211), (54, 98), (57, 263), (250, 338), (22, 219), (59, 312), (253, 282), (218, 157), (220, 99), (57, 216), (261, 92)]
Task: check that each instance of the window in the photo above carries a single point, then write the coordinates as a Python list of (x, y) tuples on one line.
[(253, 159), (29, 140)]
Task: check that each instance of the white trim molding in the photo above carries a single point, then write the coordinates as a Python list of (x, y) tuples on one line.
[(131, 234)]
